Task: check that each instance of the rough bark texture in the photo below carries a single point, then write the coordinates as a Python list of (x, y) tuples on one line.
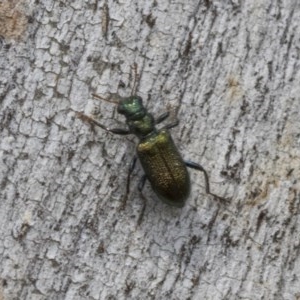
[(231, 71)]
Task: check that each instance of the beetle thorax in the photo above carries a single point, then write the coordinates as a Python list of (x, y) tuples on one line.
[(139, 121), (143, 126)]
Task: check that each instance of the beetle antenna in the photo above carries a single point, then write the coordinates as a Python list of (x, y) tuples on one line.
[(136, 77), (110, 101)]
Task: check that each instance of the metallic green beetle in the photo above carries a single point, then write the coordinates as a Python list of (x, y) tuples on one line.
[(162, 163)]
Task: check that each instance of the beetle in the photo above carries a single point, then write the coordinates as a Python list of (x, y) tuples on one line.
[(161, 161)]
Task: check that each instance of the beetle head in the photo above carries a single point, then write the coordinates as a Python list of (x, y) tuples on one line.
[(131, 107)]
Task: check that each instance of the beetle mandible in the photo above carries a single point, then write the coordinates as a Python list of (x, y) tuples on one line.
[(161, 161)]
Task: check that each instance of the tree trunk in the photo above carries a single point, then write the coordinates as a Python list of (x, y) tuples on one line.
[(228, 70)]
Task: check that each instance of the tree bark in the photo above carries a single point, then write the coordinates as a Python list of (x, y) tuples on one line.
[(228, 70)]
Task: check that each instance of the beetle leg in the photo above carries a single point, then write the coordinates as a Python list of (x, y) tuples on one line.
[(140, 188), (130, 170), (171, 125), (142, 183), (119, 131), (162, 117), (198, 167)]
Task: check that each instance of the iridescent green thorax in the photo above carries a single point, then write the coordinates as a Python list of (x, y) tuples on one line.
[(138, 120), (142, 127)]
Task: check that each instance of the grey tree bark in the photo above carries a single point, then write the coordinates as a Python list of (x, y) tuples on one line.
[(230, 72)]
